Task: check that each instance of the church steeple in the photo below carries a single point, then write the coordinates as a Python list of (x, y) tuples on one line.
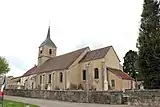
[(47, 49), (48, 41), (48, 34)]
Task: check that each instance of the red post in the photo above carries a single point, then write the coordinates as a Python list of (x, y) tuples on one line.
[(1, 95)]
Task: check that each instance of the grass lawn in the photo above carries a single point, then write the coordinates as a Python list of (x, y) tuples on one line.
[(7, 103)]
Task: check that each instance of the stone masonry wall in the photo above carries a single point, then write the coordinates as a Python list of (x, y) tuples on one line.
[(147, 98), (71, 96)]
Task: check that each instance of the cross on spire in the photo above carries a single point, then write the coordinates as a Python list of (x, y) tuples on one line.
[(49, 23)]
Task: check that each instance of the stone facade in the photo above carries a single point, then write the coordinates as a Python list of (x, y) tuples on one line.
[(96, 75), (71, 96), (81, 67)]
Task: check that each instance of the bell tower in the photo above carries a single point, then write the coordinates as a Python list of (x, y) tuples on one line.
[(47, 49)]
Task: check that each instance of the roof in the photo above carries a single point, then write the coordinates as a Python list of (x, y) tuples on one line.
[(60, 62), (16, 77), (30, 71), (120, 74), (96, 54), (48, 41)]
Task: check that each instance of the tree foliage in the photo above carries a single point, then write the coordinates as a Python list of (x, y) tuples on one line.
[(148, 44), (4, 66), (129, 63)]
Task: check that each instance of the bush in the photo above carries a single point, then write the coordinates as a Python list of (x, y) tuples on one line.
[(73, 86), (80, 86), (57, 88), (46, 86), (38, 87), (93, 88)]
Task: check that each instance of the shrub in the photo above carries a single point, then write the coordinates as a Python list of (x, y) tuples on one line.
[(73, 86), (57, 88), (80, 86)]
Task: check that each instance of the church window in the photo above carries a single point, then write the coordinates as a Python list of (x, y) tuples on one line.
[(40, 79), (113, 83), (84, 74), (49, 78), (41, 50), (43, 78), (53, 76), (50, 51), (61, 76), (96, 73)]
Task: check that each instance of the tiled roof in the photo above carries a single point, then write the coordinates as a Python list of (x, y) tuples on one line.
[(120, 74), (60, 62), (96, 54), (30, 71)]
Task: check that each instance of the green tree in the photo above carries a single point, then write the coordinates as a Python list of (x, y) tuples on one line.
[(4, 66), (129, 63), (148, 44)]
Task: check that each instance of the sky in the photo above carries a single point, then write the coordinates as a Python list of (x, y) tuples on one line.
[(74, 24)]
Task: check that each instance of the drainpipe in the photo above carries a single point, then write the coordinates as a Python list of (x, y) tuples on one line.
[(66, 79), (87, 71), (105, 77)]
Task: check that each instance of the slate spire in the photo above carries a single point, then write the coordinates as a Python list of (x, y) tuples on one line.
[(48, 34), (48, 41)]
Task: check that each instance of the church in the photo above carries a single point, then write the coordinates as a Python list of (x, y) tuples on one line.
[(82, 69)]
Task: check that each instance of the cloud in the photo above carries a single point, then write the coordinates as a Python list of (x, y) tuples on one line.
[(17, 62), (15, 71), (82, 44), (17, 65), (74, 25), (88, 43), (96, 45)]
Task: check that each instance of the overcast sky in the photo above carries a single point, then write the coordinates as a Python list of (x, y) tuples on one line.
[(74, 24)]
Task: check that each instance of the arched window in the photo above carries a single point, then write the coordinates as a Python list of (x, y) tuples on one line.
[(50, 51), (96, 73), (40, 79), (53, 77), (43, 78), (61, 76), (49, 78), (40, 50), (84, 74), (113, 83)]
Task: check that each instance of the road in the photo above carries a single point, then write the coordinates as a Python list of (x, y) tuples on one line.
[(50, 103)]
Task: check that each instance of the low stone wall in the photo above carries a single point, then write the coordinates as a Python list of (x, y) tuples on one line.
[(101, 97), (147, 98), (150, 98)]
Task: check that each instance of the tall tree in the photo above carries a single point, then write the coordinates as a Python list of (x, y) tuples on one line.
[(148, 44), (4, 66), (129, 63)]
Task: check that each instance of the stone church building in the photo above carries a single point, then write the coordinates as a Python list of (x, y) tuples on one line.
[(98, 69)]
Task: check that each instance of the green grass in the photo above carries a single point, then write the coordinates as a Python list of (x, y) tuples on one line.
[(7, 103)]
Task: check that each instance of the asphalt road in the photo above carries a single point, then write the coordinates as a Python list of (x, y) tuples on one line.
[(50, 103)]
